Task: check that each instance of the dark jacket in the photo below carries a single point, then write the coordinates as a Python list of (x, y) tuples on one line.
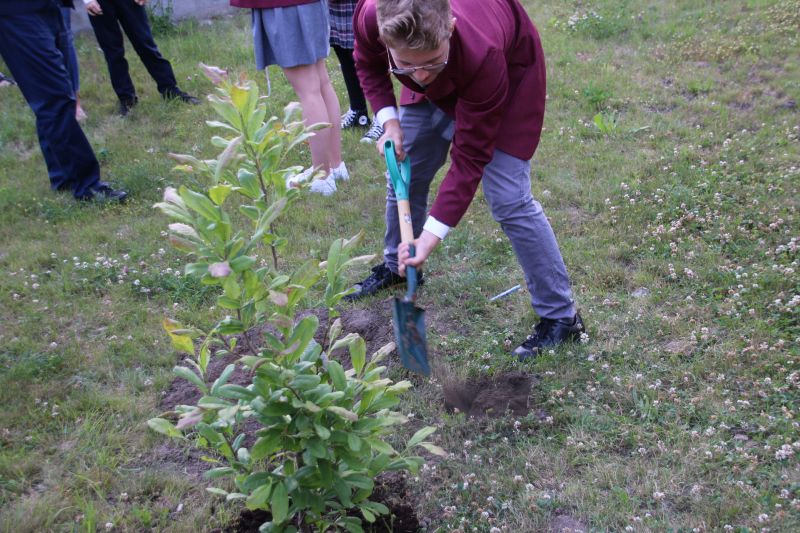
[(22, 7), (493, 86)]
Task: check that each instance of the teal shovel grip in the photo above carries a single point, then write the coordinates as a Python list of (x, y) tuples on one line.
[(400, 174)]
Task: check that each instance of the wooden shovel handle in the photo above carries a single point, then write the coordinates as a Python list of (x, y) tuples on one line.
[(404, 213)]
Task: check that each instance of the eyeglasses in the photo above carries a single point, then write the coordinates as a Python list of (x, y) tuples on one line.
[(408, 71)]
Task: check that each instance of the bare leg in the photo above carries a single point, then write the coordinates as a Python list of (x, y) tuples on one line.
[(334, 113), (311, 90)]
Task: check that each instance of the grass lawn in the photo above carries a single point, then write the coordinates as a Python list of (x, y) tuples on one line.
[(670, 170)]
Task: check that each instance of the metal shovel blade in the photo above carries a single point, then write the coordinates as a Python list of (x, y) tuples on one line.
[(409, 334)]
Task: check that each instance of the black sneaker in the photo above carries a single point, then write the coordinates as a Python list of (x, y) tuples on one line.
[(103, 193), (550, 333), (355, 119), (381, 278), (177, 94), (126, 104), (373, 134)]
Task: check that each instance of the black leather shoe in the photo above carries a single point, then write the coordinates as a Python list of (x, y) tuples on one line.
[(380, 279), (127, 104), (549, 333), (103, 193), (177, 94)]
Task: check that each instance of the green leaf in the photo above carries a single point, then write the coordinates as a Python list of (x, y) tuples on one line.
[(230, 326), (222, 379), (226, 156), (344, 413), (358, 354), (279, 503), (215, 490), (316, 448), (435, 450), (200, 204), (205, 355), (241, 263), (336, 372), (368, 516), (218, 193), (375, 507), (249, 183), (250, 212), (352, 524), (218, 472), (354, 442), (265, 446), (380, 446), (343, 492), (188, 375), (323, 432), (420, 436), (164, 427), (259, 497)]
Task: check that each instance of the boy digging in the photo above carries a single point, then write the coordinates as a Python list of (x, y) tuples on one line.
[(473, 77)]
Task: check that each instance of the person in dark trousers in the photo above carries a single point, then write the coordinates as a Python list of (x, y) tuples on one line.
[(343, 42), (33, 44), (473, 85), (106, 17)]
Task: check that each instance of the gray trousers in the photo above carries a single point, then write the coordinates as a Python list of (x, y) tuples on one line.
[(507, 188)]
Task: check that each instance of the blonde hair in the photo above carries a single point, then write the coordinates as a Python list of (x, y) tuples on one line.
[(414, 24)]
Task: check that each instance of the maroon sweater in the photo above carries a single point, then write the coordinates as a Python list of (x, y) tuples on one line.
[(493, 86), (269, 3)]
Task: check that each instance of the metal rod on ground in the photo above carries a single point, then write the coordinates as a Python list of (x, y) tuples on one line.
[(503, 294)]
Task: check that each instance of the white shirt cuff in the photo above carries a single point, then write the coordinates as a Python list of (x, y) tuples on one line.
[(387, 113), (437, 228), (87, 1)]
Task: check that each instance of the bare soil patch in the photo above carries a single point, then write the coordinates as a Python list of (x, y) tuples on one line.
[(566, 524), (490, 395)]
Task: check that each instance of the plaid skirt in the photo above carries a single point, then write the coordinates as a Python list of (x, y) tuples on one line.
[(341, 12), (291, 36)]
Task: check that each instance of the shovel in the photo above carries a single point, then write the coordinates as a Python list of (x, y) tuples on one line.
[(409, 320)]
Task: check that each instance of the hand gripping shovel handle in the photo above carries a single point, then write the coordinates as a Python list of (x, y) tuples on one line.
[(400, 174)]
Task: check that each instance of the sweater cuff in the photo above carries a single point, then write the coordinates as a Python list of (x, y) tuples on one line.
[(437, 228), (387, 113)]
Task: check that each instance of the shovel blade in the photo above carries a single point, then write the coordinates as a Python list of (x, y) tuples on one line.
[(409, 334)]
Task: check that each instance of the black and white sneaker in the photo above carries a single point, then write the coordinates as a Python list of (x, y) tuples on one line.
[(381, 278), (549, 333), (355, 119), (373, 134)]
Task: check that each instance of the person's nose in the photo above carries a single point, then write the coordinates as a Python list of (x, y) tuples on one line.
[(422, 76)]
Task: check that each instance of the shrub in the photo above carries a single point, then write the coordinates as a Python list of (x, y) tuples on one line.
[(304, 439)]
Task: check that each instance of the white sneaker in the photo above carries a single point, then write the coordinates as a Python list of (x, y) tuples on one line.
[(324, 186), (373, 134), (340, 172)]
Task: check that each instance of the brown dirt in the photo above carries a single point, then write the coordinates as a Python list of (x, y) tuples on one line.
[(566, 524), (490, 395)]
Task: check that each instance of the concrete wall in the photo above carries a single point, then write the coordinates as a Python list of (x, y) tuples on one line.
[(181, 9)]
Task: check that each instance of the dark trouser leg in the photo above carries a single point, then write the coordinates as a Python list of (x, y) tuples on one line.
[(133, 19), (70, 55), (348, 65), (426, 141), (507, 188), (109, 37), (29, 44)]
